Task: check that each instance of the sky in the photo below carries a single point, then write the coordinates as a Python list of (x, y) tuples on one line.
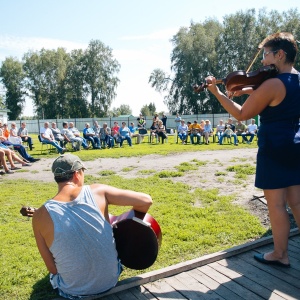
[(139, 33)]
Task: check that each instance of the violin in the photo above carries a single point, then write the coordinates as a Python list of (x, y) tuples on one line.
[(239, 80)]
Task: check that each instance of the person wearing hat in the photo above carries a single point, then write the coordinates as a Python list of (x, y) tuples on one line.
[(73, 233)]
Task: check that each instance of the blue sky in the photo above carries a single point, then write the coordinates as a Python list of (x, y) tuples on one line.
[(138, 32)]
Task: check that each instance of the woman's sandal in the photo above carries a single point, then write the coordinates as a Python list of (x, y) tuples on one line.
[(16, 168), (9, 172), (26, 165)]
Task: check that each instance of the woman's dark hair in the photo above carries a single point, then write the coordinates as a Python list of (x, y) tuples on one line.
[(284, 41)]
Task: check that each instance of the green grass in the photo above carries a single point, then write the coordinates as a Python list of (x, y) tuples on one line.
[(194, 222)]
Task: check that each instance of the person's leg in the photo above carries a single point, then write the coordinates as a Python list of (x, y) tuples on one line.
[(251, 137), (293, 199), (279, 218), (111, 141), (244, 136), (206, 135), (29, 142), (56, 145), (235, 139), (128, 139), (23, 152), (83, 142), (97, 142), (198, 138), (3, 161), (221, 138), (192, 138), (89, 138)]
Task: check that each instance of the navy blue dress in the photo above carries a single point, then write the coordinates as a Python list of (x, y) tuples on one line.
[(278, 157)]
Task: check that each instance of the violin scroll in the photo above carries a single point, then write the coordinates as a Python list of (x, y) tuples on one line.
[(199, 88)]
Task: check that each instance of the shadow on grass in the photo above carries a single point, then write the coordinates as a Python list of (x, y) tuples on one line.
[(42, 290)]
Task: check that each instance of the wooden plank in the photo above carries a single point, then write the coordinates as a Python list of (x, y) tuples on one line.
[(222, 291), (140, 290), (162, 290), (181, 287), (229, 283), (265, 276), (192, 284), (245, 281)]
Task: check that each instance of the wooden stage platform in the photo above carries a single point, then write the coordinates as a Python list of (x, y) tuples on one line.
[(232, 274)]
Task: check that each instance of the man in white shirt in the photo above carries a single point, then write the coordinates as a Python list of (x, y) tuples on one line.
[(251, 131), (47, 137)]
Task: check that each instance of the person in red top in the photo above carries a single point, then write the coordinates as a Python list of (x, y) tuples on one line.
[(115, 131)]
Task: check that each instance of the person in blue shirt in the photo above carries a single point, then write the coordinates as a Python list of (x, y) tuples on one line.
[(133, 133), (124, 134), (90, 135)]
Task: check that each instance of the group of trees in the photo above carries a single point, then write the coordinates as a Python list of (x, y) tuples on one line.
[(78, 84), (83, 83), (219, 49)]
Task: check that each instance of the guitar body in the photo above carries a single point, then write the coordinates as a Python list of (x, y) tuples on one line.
[(138, 239)]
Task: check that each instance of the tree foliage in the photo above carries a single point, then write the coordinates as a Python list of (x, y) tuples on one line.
[(122, 110), (218, 49), (62, 85), (12, 77), (148, 109), (99, 71)]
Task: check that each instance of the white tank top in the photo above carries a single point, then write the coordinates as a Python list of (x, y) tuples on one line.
[(83, 247)]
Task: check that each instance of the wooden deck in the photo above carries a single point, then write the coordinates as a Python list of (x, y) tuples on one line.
[(231, 274)]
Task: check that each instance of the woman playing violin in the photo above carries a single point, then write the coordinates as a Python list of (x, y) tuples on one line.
[(277, 101)]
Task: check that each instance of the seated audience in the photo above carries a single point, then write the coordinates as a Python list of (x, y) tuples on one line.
[(153, 131), (124, 134), (57, 134), (106, 137), (207, 131), (13, 134), (133, 133), (228, 133), (96, 128), (115, 132), (161, 131), (76, 132), (233, 134), (90, 135), (71, 138), (240, 129), (183, 131), (23, 134), (251, 131), (195, 132), (47, 137), (220, 129), (18, 147), (12, 156)]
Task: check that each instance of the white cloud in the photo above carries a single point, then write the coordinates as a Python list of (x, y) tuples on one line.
[(17, 46)]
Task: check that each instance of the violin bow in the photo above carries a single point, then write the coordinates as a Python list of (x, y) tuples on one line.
[(254, 58)]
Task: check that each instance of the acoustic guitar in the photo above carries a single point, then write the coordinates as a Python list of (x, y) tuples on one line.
[(138, 237)]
